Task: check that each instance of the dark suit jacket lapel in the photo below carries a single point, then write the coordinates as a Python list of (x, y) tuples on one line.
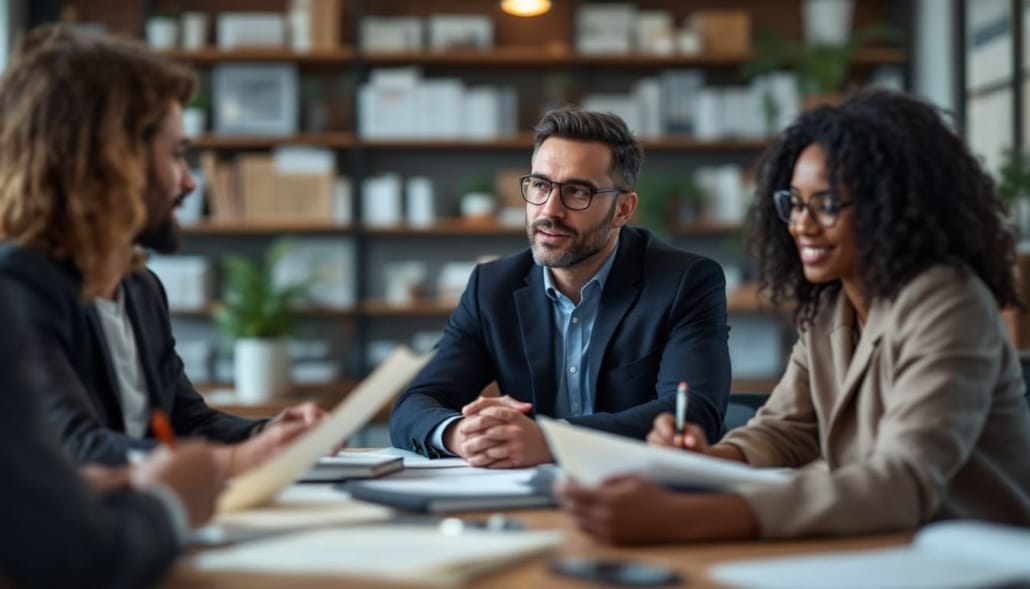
[(536, 322), (106, 389), (621, 289)]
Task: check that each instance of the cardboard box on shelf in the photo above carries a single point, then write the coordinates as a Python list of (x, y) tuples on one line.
[(723, 31)]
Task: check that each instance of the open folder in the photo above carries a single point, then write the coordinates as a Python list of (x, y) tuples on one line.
[(261, 484), (590, 456)]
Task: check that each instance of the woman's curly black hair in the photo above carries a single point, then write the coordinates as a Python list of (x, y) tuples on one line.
[(921, 198)]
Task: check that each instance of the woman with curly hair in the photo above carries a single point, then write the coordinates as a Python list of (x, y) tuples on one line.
[(903, 399)]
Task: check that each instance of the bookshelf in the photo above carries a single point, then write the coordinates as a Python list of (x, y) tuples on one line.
[(528, 54)]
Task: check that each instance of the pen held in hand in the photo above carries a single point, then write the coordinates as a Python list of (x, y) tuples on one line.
[(681, 408), (162, 429)]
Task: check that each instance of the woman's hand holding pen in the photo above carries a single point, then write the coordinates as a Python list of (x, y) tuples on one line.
[(663, 433)]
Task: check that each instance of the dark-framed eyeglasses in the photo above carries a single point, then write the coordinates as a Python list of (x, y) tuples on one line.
[(575, 196), (824, 207)]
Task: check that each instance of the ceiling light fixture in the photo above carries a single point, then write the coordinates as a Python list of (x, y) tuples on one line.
[(526, 7)]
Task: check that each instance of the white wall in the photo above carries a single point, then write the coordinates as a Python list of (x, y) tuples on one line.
[(934, 46)]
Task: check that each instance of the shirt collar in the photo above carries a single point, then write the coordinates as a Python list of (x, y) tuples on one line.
[(600, 277)]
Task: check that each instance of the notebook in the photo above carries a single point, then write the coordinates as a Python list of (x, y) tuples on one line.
[(456, 489), (943, 555), (351, 465), (402, 554), (590, 456)]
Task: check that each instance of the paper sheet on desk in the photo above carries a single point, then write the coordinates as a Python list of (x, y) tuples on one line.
[(301, 506), (944, 555), (416, 555), (589, 457), (264, 482)]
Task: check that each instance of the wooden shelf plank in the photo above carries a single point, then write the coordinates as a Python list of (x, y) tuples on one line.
[(753, 385), (335, 140), (519, 141), (342, 56), (707, 145), (707, 228), (427, 308), (563, 57), (265, 227), (338, 312), (449, 227)]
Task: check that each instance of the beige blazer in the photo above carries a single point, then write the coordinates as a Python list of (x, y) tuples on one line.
[(925, 419)]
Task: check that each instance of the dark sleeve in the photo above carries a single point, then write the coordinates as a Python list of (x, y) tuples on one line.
[(695, 351), (454, 377), (190, 413), (54, 532)]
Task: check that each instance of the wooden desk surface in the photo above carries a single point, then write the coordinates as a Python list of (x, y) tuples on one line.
[(692, 561)]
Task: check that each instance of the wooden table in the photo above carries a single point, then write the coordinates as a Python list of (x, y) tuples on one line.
[(692, 561)]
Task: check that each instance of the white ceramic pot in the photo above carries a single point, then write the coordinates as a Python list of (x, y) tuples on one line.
[(194, 30), (262, 369), (477, 205), (162, 33), (827, 21), (194, 120)]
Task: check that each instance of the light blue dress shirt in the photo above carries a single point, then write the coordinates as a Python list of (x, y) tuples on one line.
[(575, 323)]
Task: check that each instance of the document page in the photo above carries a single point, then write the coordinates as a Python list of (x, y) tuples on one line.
[(412, 555), (945, 555), (261, 484), (589, 457)]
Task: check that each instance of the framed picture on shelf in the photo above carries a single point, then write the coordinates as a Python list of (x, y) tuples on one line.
[(255, 99)]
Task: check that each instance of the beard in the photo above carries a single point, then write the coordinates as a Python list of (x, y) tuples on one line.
[(162, 235), (581, 246), (165, 238)]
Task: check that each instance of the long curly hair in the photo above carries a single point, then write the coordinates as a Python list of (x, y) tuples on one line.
[(76, 114), (921, 198)]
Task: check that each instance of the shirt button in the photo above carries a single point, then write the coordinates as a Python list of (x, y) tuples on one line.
[(572, 370), (575, 319)]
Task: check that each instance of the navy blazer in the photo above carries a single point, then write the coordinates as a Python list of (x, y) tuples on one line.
[(54, 531), (80, 395), (662, 319)]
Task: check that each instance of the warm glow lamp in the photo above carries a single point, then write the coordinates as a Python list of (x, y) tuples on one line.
[(526, 7)]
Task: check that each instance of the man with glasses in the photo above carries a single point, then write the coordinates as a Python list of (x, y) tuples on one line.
[(596, 323)]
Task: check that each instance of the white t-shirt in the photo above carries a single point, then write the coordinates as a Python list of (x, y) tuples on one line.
[(128, 370)]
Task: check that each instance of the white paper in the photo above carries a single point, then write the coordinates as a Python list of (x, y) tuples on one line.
[(261, 484), (302, 506), (413, 460), (946, 555), (589, 457), (409, 554)]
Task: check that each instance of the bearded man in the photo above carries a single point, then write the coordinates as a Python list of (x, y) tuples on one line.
[(596, 323)]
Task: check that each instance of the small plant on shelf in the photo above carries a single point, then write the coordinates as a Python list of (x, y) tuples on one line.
[(821, 68), (1014, 189), (257, 314)]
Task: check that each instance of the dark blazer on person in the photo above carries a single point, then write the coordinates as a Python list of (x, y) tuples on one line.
[(80, 396), (54, 531), (662, 319)]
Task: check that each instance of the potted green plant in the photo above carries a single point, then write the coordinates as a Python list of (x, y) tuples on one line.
[(656, 197), (257, 314), (821, 67), (477, 199), (1014, 188)]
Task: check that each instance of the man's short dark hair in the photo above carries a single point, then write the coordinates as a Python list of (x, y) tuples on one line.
[(582, 125)]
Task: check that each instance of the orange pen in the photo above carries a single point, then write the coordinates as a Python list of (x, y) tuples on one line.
[(162, 429)]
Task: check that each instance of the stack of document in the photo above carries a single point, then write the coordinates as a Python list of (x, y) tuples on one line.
[(351, 465), (454, 488)]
